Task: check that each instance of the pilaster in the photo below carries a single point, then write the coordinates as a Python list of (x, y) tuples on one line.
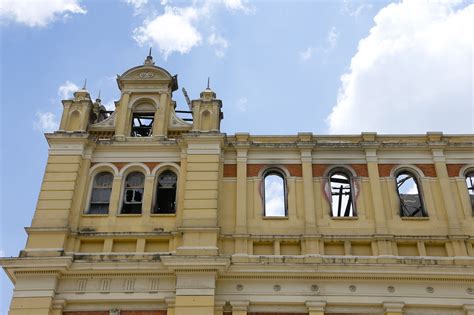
[(316, 307), (121, 119), (239, 307), (393, 308)]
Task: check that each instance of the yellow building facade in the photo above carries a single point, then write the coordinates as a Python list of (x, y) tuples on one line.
[(142, 211)]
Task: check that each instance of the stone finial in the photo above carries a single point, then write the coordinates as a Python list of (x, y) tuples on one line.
[(149, 59)]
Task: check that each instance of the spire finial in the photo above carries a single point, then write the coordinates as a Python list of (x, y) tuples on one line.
[(149, 59), (85, 84), (98, 97), (208, 82)]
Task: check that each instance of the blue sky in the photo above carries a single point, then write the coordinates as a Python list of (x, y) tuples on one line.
[(280, 67)]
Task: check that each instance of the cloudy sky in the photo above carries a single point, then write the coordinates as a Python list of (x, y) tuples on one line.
[(280, 67)]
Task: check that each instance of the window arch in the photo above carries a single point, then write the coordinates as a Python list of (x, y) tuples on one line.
[(470, 187), (100, 194), (341, 193), (409, 195), (274, 193), (133, 193), (166, 193), (143, 117)]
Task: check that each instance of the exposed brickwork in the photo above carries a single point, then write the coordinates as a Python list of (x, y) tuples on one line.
[(119, 165), (254, 169), (230, 170), (454, 169), (360, 169), (427, 169), (319, 169), (151, 165), (121, 313)]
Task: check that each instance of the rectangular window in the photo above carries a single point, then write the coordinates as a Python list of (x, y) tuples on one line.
[(142, 124)]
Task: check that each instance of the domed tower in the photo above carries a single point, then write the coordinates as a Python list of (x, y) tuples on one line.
[(76, 112), (207, 113)]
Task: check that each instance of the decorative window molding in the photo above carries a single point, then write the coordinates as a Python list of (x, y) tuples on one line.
[(133, 193), (274, 193), (341, 191), (409, 194), (100, 193)]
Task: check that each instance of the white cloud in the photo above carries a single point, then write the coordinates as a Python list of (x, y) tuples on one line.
[(242, 104), (355, 9), (66, 90), (239, 5), (332, 37), (180, 28), (412, 73), (45, 122), (35, 13), (306, 54), (220, 44), (173, 31), (137, 4)]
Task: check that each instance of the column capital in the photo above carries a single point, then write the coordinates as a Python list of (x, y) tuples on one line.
[(316, 306), (371, 154), (393, 307), (219, 305), (239, 305)]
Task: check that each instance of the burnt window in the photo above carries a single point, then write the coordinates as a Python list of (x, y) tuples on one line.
[(411, 203), (470, 188), (342, 204), (166, 193), (142, 124), (133, 194), (274, 194), (100, 195)]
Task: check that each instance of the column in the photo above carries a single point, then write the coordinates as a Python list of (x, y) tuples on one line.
[(316, 307), (115, 195), (239, 307), (374, 179), (160, 123), (241, 195), (148, 192), (393, 308), (446, 191), (195, 294), (121, 118)]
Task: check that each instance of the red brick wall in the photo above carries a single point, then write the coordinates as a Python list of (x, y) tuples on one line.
[(454, 169), (427, 169), (230, 170), (320, 169)]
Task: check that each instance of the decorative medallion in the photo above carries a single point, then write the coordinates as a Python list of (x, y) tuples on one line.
[(470, 291), (315, 288), (239, 287), (429, 289), (146, 75), (277, 287), (391, 289), (352, 288)]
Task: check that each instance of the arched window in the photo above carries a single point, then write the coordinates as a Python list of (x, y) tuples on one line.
[(470, 187), (143, 117), (133, 194), (411, 203), (342, 201), (274, 194), (100, 195), (166, 193)]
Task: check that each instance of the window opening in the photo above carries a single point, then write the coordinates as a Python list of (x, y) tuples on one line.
[(166, 193), (411, 204), (133, 195), (274, 193), (470, 188), (100, 196), (341, 195), (142, 124)]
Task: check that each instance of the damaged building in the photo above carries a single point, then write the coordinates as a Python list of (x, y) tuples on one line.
[(152, 210)]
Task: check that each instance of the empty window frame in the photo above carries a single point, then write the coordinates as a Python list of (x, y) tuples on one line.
[(142, 124), (100, 194), (470, 188), (133, 193), (274, 194), (411, 202), (342, 201), (166, 193)]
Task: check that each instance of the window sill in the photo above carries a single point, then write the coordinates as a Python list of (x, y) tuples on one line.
[(163, 214), (344, 218), (415, 218), (95, 214), (129, 215), (275, 218)]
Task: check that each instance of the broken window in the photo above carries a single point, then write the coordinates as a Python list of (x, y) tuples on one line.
[(274, 194), (142, 124), (100, 195), (411, 204), (470, 188), (166, 193), (133, 194), (341, 194)]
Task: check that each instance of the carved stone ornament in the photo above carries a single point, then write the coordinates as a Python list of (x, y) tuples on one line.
[(146, 75), (114, 311)]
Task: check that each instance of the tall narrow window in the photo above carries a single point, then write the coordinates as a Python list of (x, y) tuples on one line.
[(142, 124), (470, 188), (100, 195), (342, 204), (166, 193), (274, 194), (133, 195), (411, 204)]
